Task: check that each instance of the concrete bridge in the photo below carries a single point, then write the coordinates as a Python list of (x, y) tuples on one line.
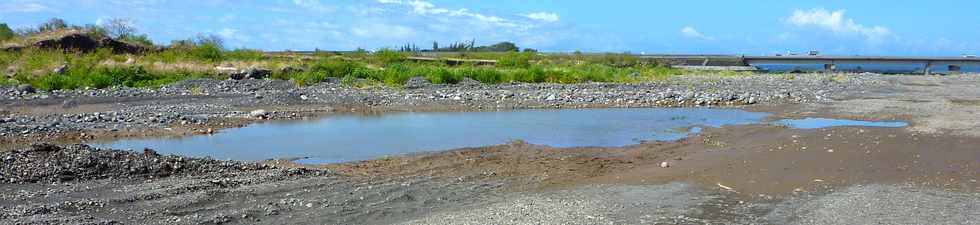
[(830, 63), (925, 65)]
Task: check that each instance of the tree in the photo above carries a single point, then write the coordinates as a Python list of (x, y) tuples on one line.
[(5, 32), (52, 24), (140, 39), (119, 27), (210, 40), (503, 47)]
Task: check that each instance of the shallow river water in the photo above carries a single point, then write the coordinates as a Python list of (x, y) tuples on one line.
[(340, 138)]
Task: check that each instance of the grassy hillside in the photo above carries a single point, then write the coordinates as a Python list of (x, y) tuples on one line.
[(205, 56)]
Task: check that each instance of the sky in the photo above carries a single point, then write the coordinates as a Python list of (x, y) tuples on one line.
[(866, 27)]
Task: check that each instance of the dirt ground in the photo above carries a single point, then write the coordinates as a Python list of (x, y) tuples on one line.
[(746, 174)]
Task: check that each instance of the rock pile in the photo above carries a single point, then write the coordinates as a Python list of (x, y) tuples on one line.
[(51, 163)]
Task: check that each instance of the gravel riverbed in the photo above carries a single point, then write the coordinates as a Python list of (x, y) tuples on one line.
[(515, 183), (34, 115)]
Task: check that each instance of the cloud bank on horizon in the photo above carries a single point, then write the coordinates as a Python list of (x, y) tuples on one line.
[(635, 26)]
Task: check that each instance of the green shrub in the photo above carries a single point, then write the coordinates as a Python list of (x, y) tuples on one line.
[(6, 33), (515, 60), (138, 39), (441, 75), (532, 75), (331, 67), (487, 75), (207, 52), (386, 56), (309, 77), (245, 54), (7, 82)]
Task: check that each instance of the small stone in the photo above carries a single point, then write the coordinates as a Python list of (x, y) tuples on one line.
[(551, 97)]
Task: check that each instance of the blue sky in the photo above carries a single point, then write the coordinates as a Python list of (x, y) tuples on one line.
[(867, 27)]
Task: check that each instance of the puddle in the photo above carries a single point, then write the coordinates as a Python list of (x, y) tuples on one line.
[(341, 138), (816, 123)]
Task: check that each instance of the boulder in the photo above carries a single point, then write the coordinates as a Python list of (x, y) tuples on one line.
[(70, 42), (258, 113), (469, 81), (26, 88), (290, 69), (120, 47), (332, 80), (257, 73), (43, 147), (551, 97), (417, 82), (81, 41), (10, 72), (60, 69)]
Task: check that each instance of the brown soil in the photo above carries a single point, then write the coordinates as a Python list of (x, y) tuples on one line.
[(751, 160)]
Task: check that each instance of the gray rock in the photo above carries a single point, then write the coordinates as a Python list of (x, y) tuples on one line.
[(60, 69), (290, 69), (469, 81), (26, 88), (258, 113), (551, 97), (417, 82), (10, 72), (257, 73)]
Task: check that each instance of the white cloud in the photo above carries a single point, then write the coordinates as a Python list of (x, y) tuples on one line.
[(837, 23), (543, 16), (427, 8), (314, 5), (22, 6), (233, 35), (381, 30), (694, 33)]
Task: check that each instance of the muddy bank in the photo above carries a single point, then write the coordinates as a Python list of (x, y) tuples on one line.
[(724, 175)]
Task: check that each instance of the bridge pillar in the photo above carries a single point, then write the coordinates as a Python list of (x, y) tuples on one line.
[(829, 67), (927, 69)]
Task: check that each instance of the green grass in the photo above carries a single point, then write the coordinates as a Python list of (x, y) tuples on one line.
[(102, 69), (245, 54)]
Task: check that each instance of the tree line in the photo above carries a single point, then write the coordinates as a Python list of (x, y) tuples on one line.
[(470, 46)]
